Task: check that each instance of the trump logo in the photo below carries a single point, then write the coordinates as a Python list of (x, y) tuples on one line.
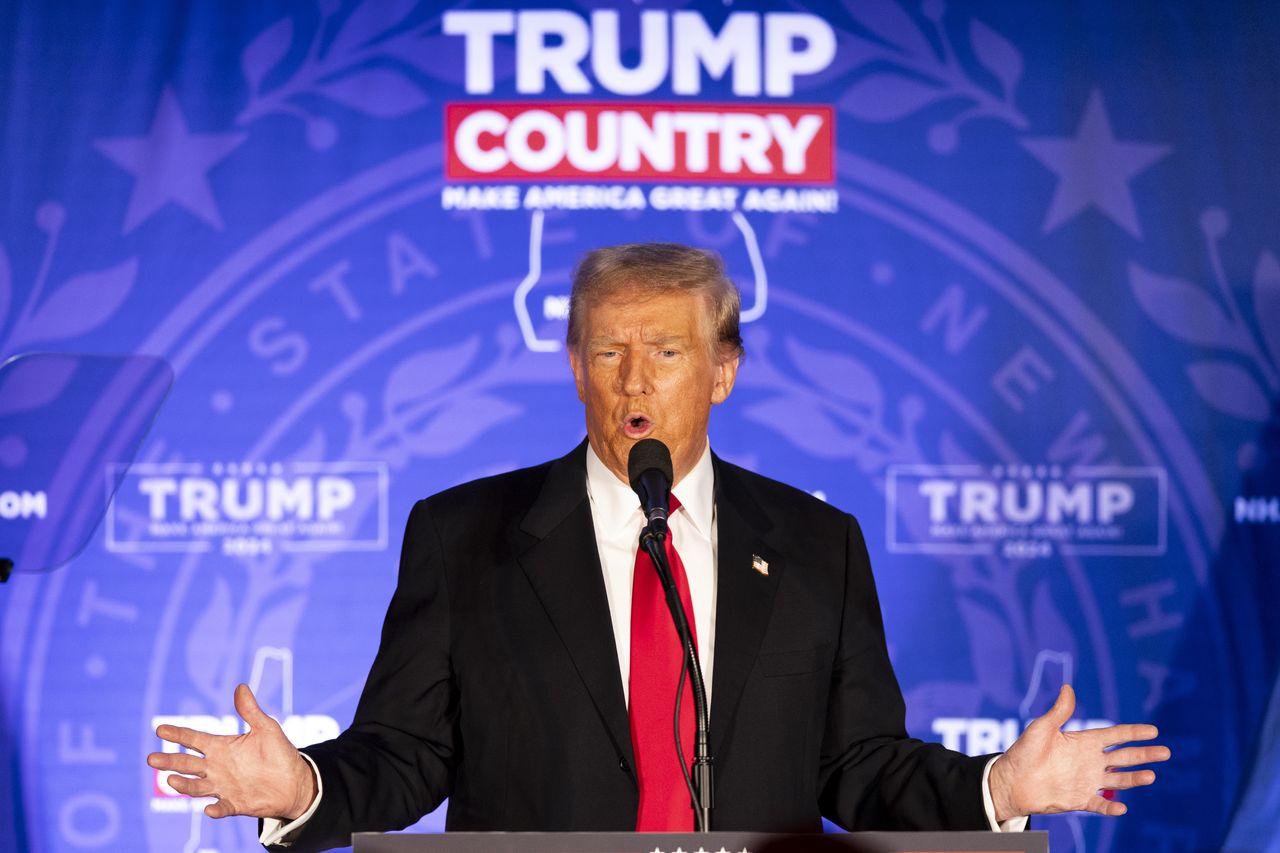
[(250, 508), (1026, 511)]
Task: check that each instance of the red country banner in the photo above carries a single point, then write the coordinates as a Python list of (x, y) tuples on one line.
[(580, 140)]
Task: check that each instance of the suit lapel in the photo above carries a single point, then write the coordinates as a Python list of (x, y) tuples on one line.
[(561, 560), (557, 550), (744, 596)]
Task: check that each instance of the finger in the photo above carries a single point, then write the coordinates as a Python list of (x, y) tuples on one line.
[(1063, 707), (1102, 806), (190, 738), (248, 709), (178, 762), (1137, 755), (221, 808), (191, 787), (1116, 735), (1136, 779)]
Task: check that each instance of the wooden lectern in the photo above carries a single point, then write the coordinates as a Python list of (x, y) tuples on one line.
[(712, 842)]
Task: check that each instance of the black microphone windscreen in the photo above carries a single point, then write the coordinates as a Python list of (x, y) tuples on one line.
[(648, 454)]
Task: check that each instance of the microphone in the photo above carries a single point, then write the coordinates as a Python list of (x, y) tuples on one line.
[(649, 469)]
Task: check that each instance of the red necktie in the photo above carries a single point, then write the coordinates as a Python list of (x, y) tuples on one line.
[(656, 656)]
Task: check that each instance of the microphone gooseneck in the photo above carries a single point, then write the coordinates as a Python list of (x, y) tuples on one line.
[(649, 470)]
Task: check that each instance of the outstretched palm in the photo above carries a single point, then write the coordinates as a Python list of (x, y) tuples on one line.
[(258, 773), (1047, 770)]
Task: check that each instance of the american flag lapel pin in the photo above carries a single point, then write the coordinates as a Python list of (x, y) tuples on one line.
[(760, 564)]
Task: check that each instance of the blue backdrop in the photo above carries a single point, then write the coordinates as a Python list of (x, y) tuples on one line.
[(1020, 314)]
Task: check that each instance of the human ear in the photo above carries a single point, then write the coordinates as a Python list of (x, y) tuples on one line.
[(579, 381), (726, 375)]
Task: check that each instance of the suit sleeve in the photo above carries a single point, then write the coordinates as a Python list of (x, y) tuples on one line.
[(873, 776), (396, 761)]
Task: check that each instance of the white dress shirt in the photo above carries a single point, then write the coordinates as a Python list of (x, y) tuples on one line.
[(617, 518)]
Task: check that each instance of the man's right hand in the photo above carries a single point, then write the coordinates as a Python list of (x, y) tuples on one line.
[(259, 774)]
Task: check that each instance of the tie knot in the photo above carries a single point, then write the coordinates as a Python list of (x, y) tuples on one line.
[(674, 504)]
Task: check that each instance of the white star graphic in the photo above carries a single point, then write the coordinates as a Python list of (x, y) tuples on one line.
[(1094, 169), (170, 164)]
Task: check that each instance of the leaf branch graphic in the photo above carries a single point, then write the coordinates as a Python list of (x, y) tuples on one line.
[(916, 74), (1194, 315), (360, 67), (428, 409), (80, 304), (837, 412)]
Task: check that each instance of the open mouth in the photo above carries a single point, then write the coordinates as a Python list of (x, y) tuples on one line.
[(637, 425)]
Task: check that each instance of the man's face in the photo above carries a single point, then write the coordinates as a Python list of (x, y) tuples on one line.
[(645, 369)]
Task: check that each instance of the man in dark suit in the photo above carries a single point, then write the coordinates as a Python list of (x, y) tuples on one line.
[(511, 670)]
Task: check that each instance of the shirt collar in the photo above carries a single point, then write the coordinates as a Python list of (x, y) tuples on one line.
[(618, 506)]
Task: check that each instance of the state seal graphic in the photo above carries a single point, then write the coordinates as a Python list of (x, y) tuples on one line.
[(352, 244)]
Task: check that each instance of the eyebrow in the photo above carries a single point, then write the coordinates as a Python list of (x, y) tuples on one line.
[(664, 340)]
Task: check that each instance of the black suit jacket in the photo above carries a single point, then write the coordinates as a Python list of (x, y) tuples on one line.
[(497, 683)]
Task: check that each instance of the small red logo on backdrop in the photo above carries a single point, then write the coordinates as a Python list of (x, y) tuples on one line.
[(580, 140)]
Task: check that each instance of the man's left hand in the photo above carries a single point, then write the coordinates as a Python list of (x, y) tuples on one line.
[(1047, 770)]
